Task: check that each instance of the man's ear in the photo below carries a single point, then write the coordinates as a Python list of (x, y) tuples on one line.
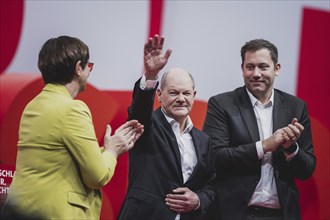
[(159, 95), (78, 68), (277, 69), (195, 93), (242, 68)]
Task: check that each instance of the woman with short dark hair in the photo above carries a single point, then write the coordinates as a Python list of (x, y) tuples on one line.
[(60, 167)]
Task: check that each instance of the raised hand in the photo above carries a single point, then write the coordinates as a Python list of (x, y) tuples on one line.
[(154, 60), (124, 137)]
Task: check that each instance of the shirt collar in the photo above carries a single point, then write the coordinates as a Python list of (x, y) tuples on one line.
[(255, 101), (172, 121)]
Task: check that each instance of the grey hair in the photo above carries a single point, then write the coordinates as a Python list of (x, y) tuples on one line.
[(164, 78)]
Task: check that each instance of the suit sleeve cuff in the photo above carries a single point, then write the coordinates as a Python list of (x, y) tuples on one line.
[(289, 157), (260, 151), (148, 84)]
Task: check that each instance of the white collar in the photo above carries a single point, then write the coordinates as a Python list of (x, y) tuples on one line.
[(255, 101), (172, 121)]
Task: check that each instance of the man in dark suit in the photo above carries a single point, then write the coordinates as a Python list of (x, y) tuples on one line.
[(261, 140), (170, 168)]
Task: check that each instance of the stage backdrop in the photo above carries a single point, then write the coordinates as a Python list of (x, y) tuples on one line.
[(206, 37)]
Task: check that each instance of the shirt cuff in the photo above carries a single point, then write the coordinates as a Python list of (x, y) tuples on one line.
[(289, 157), (147, 84), (260, 150)]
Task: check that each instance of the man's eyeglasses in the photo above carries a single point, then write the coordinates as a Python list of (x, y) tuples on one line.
[(90, 66)]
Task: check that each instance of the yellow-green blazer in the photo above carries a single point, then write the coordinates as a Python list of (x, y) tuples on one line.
[(60, 167)]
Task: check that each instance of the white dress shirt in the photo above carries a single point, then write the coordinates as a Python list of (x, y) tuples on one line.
[(265, 193), (186, 146)]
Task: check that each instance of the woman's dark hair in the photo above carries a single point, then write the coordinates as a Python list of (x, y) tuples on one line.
[(259, 44), (58, 58)]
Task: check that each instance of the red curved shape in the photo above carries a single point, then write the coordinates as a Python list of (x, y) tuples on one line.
[(8, 89), (119, 182), (16, 91), (11, 19)]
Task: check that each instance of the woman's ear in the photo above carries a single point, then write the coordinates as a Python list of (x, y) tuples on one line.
[(78, 68)]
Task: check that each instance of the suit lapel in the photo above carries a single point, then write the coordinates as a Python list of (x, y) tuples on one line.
[(197, 142), (246, 109), (280, 112), (280, 120), (172, 140)]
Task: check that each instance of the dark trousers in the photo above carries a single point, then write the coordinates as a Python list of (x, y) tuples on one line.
[(262, 213)]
